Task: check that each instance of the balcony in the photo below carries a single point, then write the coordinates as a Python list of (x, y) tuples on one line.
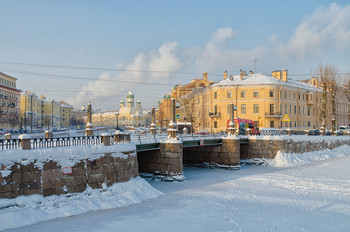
[(214, 114), (273, 114)]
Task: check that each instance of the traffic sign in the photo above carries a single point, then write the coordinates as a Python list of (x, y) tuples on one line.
[(286, 118), (178, 116)]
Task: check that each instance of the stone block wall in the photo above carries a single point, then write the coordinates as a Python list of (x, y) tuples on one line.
[(50, 180), (228, 153), (168, 160), (264, 148)]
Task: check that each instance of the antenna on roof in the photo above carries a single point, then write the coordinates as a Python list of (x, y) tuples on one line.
[(256, 60)]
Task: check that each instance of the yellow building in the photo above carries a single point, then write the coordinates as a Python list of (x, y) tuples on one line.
[(31, 112), (267, 100), (66, 114), (164, 105), (51, 114), (9, 102)]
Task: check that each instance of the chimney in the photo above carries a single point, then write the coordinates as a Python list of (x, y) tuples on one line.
[(316, 82), (313, 81), (225, 75), (205, 76), (241, 74), (244, 73), (277, 74), (251, 72), (285, 75)]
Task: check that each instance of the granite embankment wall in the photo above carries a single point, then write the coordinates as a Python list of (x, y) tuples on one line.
[(47, 171), (268, 146)]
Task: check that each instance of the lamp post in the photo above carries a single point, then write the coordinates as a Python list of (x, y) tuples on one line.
[(117, 116), (153, 125), (231, 129), (172, 125)]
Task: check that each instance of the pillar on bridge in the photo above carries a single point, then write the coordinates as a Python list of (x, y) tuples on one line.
[(230, 152), (89, 131), (171, 159), (165, 163), (153, 125)]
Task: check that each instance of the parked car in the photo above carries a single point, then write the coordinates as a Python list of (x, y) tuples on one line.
[(221, 133), (314, 132), (202, 132)]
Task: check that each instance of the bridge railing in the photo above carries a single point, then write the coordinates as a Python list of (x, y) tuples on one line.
[(9, 144), (34, 143)]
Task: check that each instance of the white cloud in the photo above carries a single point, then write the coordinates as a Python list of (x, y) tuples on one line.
[(217, 53), (325, 28), (165, 59)]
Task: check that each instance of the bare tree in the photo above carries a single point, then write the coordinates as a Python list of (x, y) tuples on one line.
[(160, 117), (188, 108), (329, 84)]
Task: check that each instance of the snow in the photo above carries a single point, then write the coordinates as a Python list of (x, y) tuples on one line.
[(26, 210), (260, 79), (295, 194), (293, 160)]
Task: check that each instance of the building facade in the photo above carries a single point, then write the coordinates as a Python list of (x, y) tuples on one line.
[(164, 106), (9, 102), (66, 114), (128, 115), (270, 101), (31, 112)]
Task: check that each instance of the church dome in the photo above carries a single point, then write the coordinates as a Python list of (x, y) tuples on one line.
[(130, 95)]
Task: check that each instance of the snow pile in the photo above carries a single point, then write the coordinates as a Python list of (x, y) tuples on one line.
[(26, 210), (283, 159)]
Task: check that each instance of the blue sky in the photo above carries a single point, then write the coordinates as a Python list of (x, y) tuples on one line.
[(183, 39)]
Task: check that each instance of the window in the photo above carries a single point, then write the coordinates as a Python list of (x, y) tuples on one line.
[(285, 109), (295, 109), (243, 109), (215, 124), (285, 95), (303, 110), (229, 94), (308, 111), (256, 93), (299, 111), (309, 124), (272, 124), (272, 108), (243, 94), (290, 109), (215, 95), (272, 93), (215, 109), (256, 108)]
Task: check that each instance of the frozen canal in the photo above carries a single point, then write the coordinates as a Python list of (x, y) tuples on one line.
[(314, 197)]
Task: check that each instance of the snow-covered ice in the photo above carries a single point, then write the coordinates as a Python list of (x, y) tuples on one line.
[(300, 196)]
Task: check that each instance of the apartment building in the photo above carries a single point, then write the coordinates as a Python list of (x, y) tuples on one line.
[(9, 102), (267, 100)]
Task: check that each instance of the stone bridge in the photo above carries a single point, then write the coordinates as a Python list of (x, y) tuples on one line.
[(53, 166)]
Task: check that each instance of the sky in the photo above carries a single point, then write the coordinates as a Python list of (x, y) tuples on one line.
[(81, 51)]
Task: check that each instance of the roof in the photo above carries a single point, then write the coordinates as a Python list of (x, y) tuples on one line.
[(3, 74), (261, 79)]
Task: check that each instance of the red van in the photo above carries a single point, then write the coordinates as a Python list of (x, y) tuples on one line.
[(243, 124)]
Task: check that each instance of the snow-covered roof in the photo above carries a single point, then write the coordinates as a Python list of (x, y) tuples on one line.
[(261, 79)]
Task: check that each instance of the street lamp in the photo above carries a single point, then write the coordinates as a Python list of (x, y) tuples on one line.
[(117, 116)]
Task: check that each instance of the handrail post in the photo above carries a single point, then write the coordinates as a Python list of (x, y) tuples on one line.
[(25, 141)]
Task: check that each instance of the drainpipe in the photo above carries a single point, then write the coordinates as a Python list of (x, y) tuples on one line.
[(279, 102)]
